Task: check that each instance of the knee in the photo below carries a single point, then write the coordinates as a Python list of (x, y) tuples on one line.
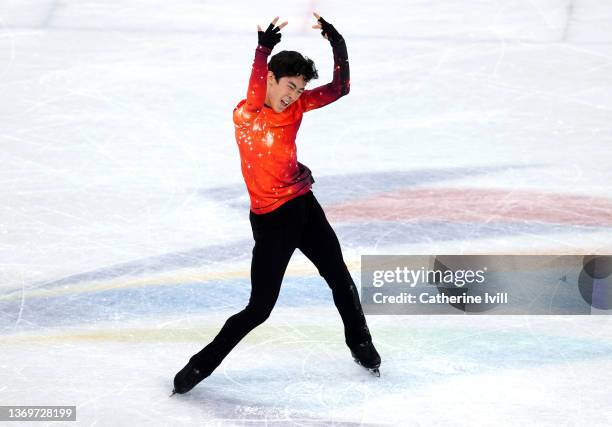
[(338, 273), (258, 314)]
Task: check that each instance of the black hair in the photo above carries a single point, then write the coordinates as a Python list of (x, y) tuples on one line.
[(289, 63)]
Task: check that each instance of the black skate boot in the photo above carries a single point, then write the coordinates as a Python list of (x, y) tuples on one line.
[(366, 355), (188, 377)]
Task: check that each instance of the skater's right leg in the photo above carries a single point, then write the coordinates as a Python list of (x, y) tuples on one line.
[(267, 269), (276, 237), (270, 260)]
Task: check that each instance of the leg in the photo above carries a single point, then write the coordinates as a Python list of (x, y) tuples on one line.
[(320, 244), (271, 256), (270, 259), (276, 236)]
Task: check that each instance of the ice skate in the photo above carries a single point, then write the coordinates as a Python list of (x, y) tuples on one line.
[(365, 354), (188, 377)]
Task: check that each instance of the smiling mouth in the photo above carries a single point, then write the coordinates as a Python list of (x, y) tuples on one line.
[(284, 103)]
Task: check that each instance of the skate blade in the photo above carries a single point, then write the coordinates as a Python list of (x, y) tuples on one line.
[(373, 371)]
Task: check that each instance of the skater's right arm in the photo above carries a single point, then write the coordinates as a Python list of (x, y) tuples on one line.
[(256, 93)]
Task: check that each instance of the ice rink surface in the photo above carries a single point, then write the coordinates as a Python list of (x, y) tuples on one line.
[(478, 127)]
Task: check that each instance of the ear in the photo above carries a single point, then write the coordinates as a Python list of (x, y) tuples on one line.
[(271, 78)]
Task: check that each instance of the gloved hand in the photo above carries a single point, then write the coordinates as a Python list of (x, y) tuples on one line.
[(272, 36), (327, 30)]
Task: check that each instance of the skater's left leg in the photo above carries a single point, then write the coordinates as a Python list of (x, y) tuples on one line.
[(320, 244)]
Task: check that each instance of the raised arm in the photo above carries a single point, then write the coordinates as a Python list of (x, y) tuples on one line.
[(341, 81), (256, 92)]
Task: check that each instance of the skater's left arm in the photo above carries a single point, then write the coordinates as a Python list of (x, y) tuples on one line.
[(341, 82)]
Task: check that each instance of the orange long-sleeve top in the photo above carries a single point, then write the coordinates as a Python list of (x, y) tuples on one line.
[(266, 139)]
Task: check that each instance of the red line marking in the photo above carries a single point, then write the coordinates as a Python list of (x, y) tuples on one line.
[(476, 205)]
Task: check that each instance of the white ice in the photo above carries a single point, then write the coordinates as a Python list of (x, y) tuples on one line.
[(124, 232)]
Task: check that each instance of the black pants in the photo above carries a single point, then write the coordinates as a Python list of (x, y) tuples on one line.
[(299, 223)]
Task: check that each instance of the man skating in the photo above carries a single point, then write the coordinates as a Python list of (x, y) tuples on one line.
[(284, 213)]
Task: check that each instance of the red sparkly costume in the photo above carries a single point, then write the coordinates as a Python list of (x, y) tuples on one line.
[(285, 215), (266, 139)]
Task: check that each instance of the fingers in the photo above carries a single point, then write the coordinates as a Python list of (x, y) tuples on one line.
[(317, 26), (273, 25)]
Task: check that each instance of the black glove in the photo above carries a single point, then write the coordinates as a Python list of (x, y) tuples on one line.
[(329, 32), (270, 37)]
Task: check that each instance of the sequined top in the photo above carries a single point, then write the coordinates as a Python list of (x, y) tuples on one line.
[(266, 139)]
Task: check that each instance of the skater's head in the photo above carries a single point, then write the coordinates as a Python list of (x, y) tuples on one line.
[(288, 74)]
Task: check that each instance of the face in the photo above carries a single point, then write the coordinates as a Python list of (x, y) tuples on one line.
[(283, 93)]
